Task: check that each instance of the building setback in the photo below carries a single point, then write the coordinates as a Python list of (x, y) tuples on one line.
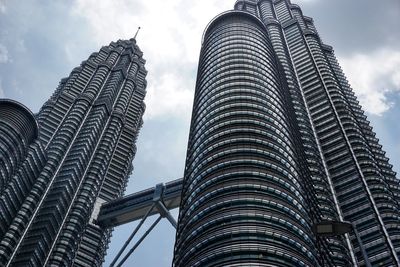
[(59, 166), (278, 142)]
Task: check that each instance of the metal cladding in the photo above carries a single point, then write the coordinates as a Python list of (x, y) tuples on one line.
[(83, 156), (278, 143), (18, 130)]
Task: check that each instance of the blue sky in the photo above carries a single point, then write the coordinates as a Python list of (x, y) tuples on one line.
[(41, 41)]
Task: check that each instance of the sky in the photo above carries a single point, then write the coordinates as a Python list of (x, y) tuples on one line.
[(41, 41)]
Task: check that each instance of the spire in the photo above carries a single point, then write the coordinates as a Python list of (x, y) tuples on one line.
[(136, 33)]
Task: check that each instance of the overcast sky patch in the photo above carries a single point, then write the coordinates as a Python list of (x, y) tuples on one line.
[(3, 54), (356, 25), (2, 95), (304, 1), (3, 8)]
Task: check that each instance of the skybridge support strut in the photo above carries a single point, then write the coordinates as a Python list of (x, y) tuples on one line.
[(156, 200)]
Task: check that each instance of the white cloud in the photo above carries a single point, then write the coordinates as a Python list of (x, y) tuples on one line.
[(3, 54), (373, 77), (170, 39), (169, 94)]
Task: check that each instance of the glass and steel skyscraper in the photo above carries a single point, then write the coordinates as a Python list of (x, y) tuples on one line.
[(57, 167), (278, 142)]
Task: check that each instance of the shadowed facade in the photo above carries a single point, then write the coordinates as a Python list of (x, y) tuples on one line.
[(278, 143), (79, 157)]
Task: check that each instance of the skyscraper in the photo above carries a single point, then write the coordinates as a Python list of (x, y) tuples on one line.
[(58, 166), (278, 143)]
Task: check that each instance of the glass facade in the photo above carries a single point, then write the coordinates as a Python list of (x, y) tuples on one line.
[(278, 143), (80, 157)]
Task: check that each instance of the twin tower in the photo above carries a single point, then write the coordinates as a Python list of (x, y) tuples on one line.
[(278, 144)]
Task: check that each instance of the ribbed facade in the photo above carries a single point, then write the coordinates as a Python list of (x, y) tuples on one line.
[(18, 130), (278, 143), (82, 157)]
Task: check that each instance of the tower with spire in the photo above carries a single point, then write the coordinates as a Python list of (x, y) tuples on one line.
[(74, 154)]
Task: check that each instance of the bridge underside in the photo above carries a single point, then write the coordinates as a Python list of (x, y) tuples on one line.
[(136, 206)]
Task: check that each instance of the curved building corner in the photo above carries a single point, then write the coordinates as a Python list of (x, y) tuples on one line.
[(18, 129)]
